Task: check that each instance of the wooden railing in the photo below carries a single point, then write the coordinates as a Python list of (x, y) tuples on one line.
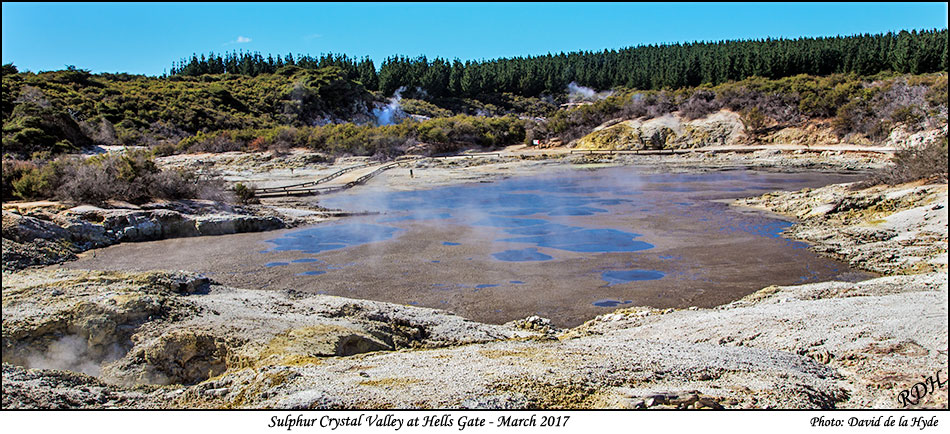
[(314, 188)]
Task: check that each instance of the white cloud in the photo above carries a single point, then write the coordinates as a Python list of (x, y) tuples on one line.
[(239, 40)]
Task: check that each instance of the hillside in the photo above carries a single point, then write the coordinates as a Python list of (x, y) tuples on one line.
[(868, 90), (72, 108)]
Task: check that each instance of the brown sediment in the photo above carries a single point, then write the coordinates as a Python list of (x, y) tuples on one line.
[(712, 267)]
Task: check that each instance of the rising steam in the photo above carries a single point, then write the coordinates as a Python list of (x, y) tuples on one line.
[(391, 113), (578, 93), (72, 353)]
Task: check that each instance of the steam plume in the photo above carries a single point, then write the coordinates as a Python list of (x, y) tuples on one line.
[(391, 113), (577, 93)]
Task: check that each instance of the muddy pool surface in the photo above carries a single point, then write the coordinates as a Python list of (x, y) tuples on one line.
[(566, 246)]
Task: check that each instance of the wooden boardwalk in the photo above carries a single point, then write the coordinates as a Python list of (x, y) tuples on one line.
[(316, 187), (311, 188)]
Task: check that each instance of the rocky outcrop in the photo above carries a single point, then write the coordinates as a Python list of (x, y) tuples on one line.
[(667, 132), (50, 390), (753, 353), (810, 134), (611, 370), (23, 229), (60, 322), (900, 229), (901, 137), (881, 335), (180, 328), (726, 128), (43, 237), (98, 226)]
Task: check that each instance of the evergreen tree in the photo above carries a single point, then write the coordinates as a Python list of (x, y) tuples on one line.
[(641, 67)]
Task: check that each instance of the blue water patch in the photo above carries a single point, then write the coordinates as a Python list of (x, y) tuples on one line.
[(435, 262), (276, 264), (586, 240), (516, 282), (519, 212), (312, 273), (521, 255), (322, 238), (771, 229), (542, 229), (609, 303), (395, 219), (507, 222), (797, 245), (447, 243), (486, 285), (514, 197), (305, 260), (439, 216), (618, 277), (576, 211)]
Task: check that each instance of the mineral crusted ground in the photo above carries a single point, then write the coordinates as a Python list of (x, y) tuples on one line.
[(179, 340)]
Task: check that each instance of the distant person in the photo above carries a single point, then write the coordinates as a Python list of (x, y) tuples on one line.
[(410, 173)]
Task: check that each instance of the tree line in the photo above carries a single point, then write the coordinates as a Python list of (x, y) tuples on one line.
[(254, 64), (646, 67)]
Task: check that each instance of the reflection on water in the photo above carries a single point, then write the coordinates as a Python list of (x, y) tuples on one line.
[(771, 229), (586, 240), (522, 255), (521, 207), (321, 238), (624, 276), (564, 246), (617, 237), (610, 303)]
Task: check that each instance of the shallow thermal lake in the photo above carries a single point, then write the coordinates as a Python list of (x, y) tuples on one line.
[(565, 246)]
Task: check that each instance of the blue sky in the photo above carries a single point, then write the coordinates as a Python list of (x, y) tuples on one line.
[(145, 38)]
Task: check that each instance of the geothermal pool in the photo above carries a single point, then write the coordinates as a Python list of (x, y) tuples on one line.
[(565, 246)]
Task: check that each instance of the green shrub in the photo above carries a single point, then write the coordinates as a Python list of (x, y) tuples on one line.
[(35, 184), (424, 108), (13, 169), (753, 120), (908, 115), (245, 194), (937, 94), (131, 177), (928, 162), (164, 149)]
